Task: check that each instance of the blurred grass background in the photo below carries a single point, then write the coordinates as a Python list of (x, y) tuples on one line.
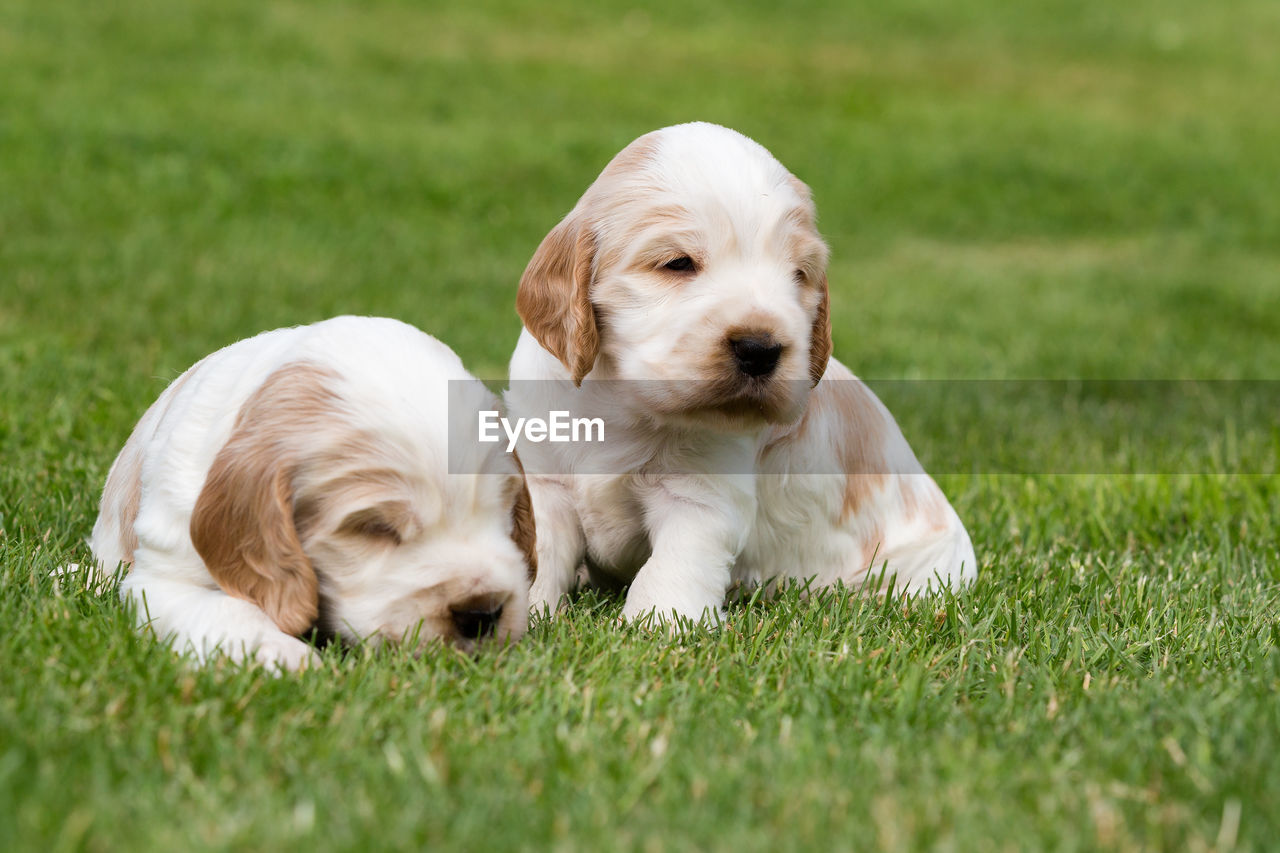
[(1046, 189)]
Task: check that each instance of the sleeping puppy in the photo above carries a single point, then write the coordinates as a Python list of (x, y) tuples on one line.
[(298, 481), (683, 301)]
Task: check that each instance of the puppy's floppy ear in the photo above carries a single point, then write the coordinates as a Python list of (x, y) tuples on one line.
[(523, 532), (243, 529), (554, 298), (242, 525), (820, 336)]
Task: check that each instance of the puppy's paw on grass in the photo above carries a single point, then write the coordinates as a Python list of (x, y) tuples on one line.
[(285, 654)]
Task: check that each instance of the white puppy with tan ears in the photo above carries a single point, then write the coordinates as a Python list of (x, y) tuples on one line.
[(299, 480), (684, 302)]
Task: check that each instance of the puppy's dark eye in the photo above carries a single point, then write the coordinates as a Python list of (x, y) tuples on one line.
[(684, 263), (801, 276)]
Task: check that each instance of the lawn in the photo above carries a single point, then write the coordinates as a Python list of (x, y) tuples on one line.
[(1045, 190)]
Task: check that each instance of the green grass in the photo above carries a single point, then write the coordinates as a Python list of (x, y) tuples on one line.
[(1012, 191)]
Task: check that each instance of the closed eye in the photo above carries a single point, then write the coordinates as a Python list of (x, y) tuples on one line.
[(371, 524)]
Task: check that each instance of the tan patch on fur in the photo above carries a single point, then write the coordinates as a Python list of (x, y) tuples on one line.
[(717, 393), (910, 502), (388, 521), (554, 296), (801, 189), (757, 323), (634, 156), (680, 237), (806, 247), (356, 473), (820, 336), (722, 393), (122, 492), (522, 528), (872, 556), (862, 452), (932, 504), (727, 402), (242, 525), (123, 495), (860, 433)]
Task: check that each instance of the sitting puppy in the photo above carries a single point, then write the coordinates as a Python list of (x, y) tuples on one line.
[(688, 288), (298, 480)]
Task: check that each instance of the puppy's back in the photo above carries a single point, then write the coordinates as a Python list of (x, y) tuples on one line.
[(175, 415)]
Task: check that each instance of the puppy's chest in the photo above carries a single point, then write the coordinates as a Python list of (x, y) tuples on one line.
[(612, 517)]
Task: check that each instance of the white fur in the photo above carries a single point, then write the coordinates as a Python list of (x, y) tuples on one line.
[(682, 504), (392, 385)]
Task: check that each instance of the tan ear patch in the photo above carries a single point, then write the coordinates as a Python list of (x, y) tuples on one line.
[(554, 297), (523, 532), (809, 243), (243, 525), (820, 336)]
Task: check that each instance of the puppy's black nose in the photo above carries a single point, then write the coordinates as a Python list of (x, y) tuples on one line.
[(756, 355), (474, 620)]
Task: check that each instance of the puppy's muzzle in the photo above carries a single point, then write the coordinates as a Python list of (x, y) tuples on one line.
[(755, 355), (476, 618)]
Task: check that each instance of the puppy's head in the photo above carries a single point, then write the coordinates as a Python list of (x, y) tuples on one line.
[(693, 263), (343, 518)]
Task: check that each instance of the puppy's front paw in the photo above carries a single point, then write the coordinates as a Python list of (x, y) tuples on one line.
[(91, 575), (671, 619), (285, 654)]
